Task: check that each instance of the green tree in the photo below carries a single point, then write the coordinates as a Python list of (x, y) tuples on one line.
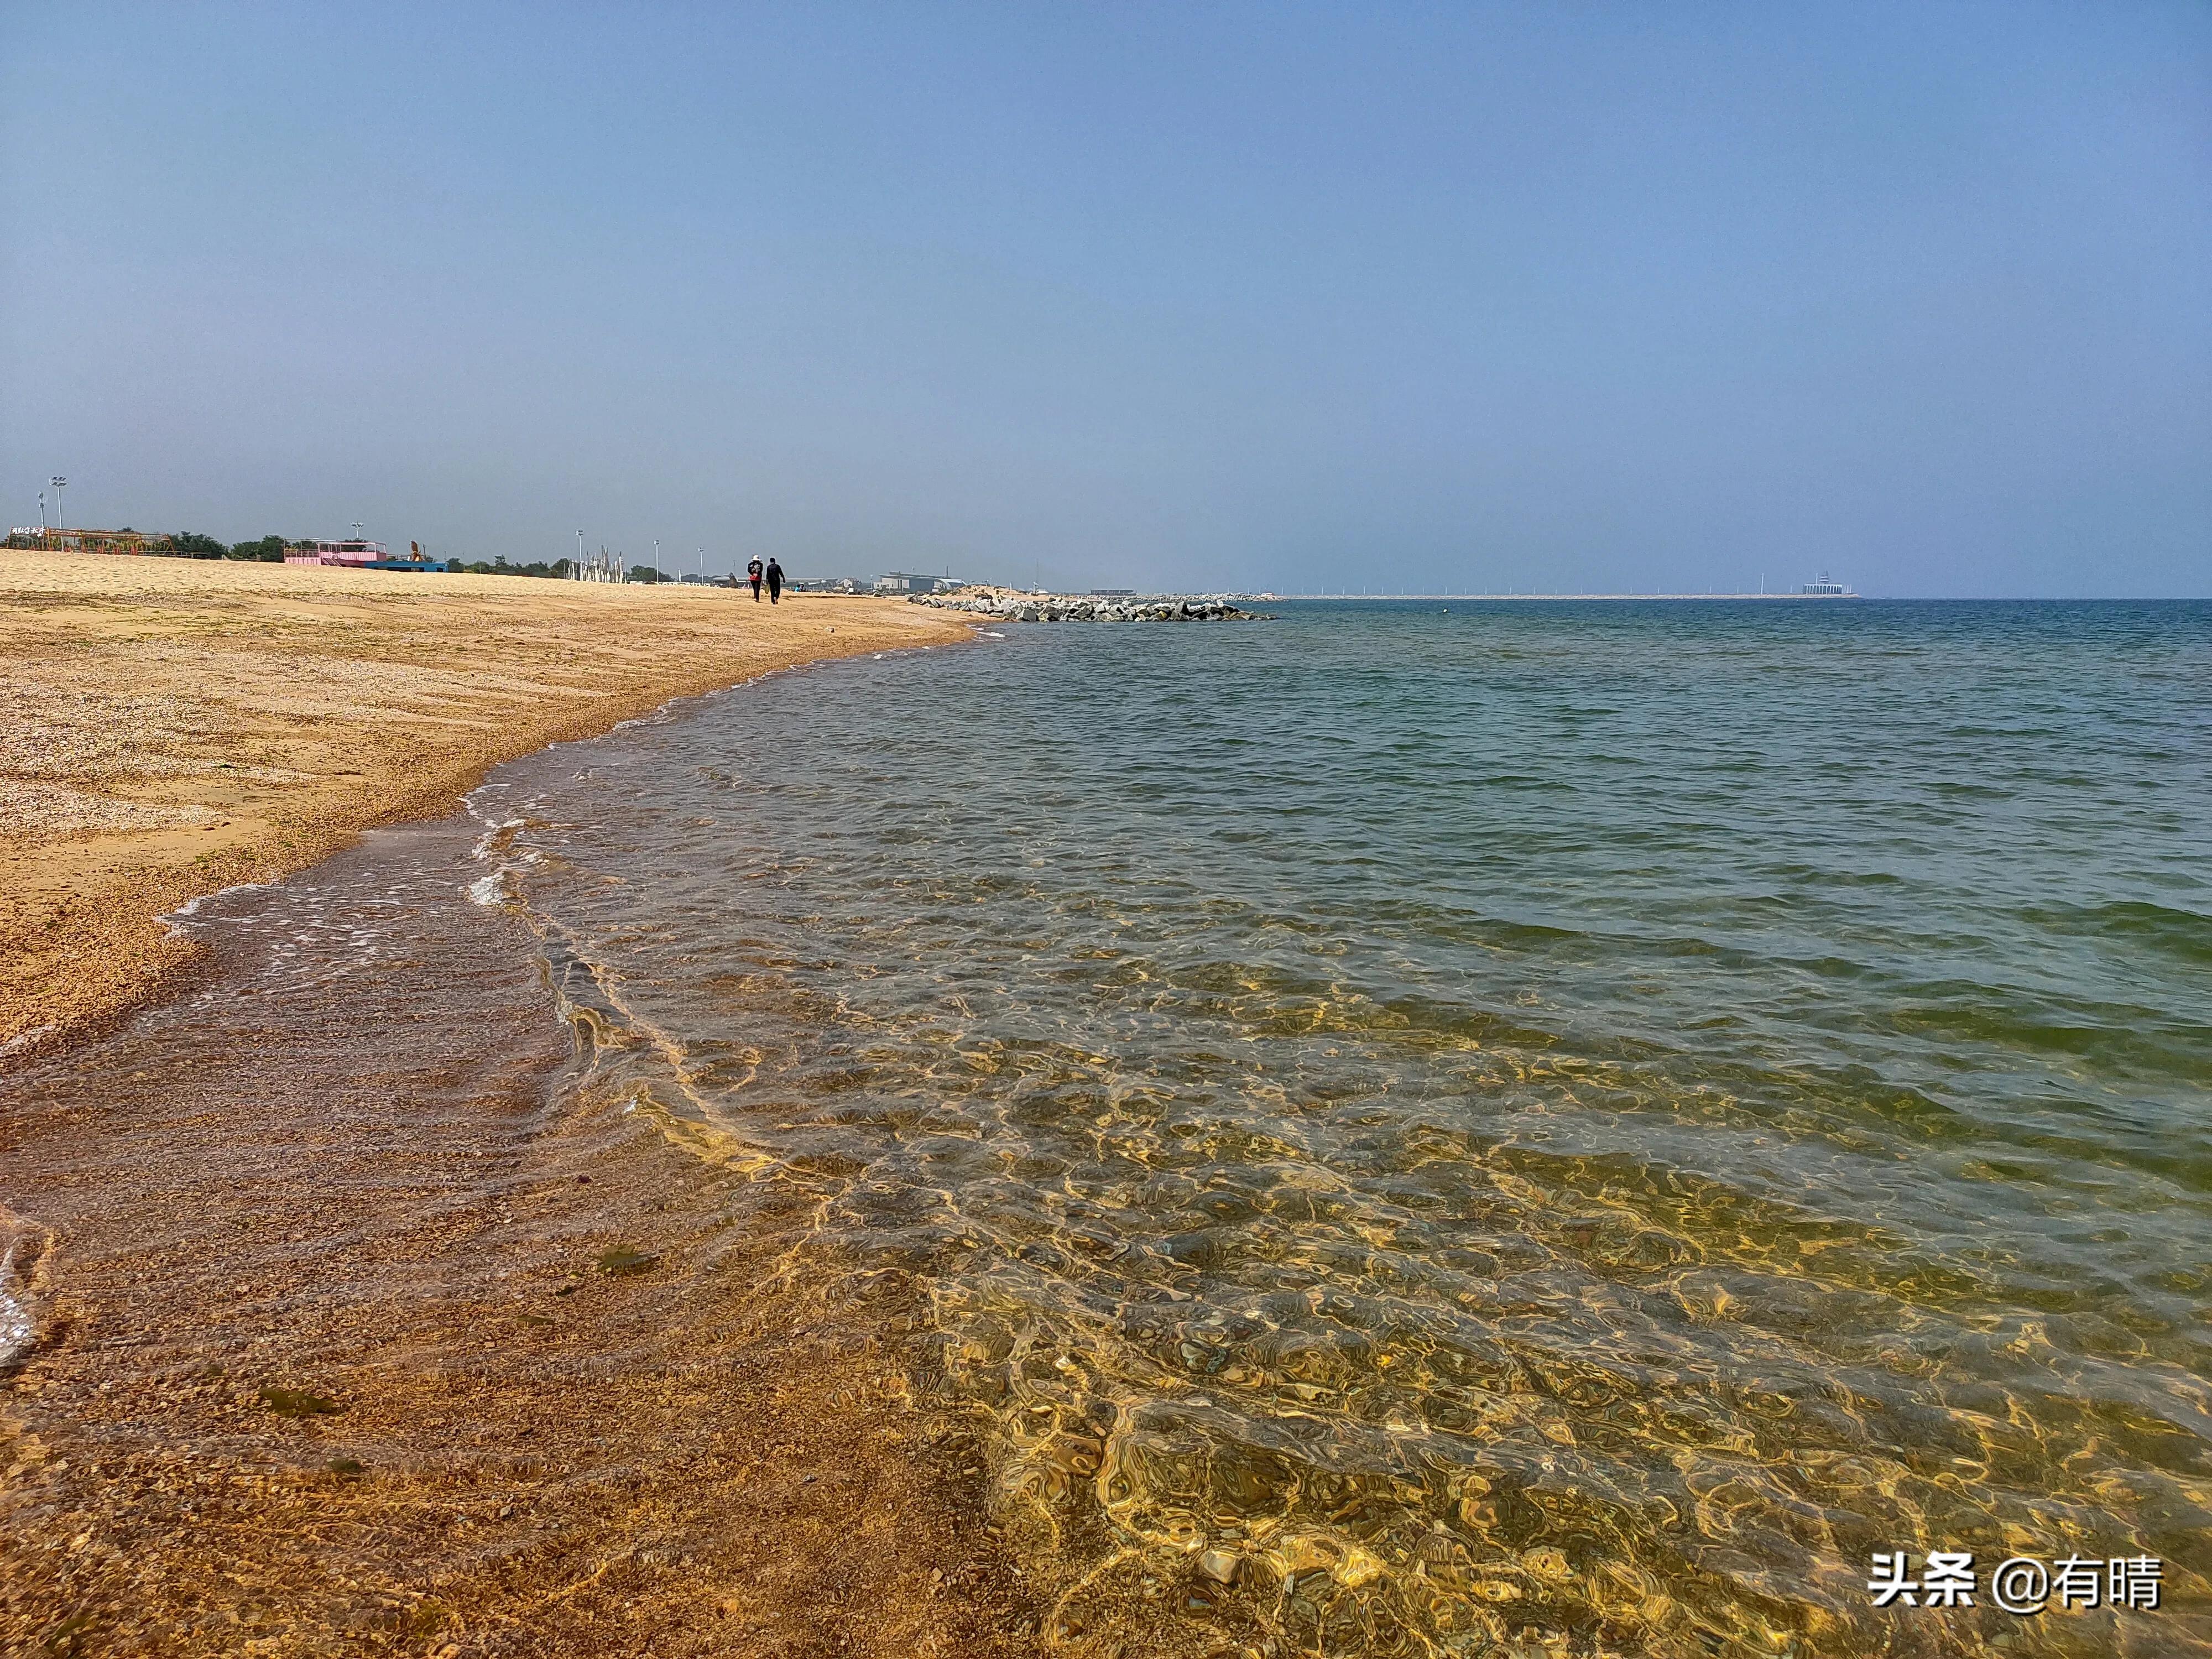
[(269, 549), (191, 544)]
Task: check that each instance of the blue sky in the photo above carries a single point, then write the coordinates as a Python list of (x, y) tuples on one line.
[(1442, 299)]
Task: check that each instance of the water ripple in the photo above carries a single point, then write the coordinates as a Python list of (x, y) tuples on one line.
[(1572, 1121)]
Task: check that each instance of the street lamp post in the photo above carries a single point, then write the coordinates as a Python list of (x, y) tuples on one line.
[(61, 518)]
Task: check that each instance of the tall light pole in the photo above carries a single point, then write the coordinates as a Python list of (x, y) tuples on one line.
[(61, 518), (577, 574), (656, 558)]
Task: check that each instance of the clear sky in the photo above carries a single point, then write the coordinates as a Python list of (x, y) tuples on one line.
[(1459, 298)]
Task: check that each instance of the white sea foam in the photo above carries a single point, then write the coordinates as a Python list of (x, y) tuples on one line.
[(482, 849), (17, 1327), (190, 908), (489, 890)]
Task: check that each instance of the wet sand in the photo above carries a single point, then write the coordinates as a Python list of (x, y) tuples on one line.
[(175, 726), (358, 1332)]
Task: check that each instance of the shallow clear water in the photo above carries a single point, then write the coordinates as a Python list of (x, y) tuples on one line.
[(1585, 1120)]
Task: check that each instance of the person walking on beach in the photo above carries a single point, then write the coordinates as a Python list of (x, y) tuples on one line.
[(775, 581), (753, 576)]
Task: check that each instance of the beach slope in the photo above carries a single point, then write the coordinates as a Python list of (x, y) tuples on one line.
[(176, 727)]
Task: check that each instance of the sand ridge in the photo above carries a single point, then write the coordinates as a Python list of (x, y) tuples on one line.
[(175, 726)]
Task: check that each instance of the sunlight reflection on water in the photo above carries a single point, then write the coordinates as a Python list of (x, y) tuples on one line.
[(1417, 1129)]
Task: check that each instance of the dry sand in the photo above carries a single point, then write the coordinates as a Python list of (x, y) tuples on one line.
[(174, 726)]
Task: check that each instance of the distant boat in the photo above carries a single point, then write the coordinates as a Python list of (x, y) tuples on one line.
[(1828, 587)]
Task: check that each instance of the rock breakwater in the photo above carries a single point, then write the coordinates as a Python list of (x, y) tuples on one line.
[(1068, 607)]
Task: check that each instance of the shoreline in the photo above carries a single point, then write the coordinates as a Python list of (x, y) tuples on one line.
[(189, 726), (181, 1258), (365, 1327), (361, 1327)]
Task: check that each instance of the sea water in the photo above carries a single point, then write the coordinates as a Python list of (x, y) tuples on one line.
[(1441, 1126)]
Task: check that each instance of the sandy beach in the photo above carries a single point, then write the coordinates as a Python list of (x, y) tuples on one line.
[(175, 726), (342, 1348)]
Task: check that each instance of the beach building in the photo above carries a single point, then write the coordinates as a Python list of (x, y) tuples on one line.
[(41, 538), (357, 554), (909, 581), (354, 551)]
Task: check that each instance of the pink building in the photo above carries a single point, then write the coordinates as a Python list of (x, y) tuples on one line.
[(351, 552)]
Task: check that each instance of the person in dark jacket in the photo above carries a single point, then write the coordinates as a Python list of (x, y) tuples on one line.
[(753, 576), (774, 581)]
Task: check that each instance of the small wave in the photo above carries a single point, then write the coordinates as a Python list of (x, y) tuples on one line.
[(190, 908), (496, 838), (490, 891), (2180, 933), (17, 1327), (490, 787)]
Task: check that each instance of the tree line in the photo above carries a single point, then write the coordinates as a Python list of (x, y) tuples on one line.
[(270, 549), (191, 544)]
